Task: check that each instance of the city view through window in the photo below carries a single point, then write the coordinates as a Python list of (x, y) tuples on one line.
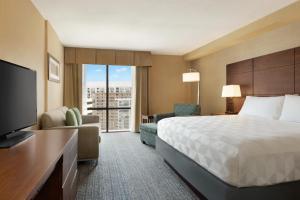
[(107, 93)]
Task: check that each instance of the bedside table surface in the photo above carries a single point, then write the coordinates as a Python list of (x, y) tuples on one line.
[(224, 113)]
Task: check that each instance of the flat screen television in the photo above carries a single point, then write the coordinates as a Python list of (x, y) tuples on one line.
[(18, 103)]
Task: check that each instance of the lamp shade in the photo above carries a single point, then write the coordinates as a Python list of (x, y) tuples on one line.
[(191, 77), (231, 91)]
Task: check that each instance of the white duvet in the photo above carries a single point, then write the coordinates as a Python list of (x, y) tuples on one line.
[(242, 151)]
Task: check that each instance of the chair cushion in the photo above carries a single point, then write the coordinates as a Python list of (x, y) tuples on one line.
[(78, 116), (186, 109), (71, 118), (149, 127)]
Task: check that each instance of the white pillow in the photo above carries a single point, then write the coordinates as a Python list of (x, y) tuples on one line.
[(291, 109), (267, 107)]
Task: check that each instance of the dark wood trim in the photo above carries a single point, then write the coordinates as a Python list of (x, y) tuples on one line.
[(273, 74)]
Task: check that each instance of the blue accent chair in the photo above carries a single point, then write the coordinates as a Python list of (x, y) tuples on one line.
[(148, 131)]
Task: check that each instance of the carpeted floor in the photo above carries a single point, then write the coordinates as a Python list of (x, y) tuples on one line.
[(128, 169)]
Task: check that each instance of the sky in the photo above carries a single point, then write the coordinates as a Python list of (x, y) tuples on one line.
[(116, 73)]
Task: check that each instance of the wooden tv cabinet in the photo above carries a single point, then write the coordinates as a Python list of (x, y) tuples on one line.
[(42, 167)]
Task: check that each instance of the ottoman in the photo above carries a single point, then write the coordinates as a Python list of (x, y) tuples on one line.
[(148, 133)]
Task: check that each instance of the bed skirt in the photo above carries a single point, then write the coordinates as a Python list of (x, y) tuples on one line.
[(214, 188)]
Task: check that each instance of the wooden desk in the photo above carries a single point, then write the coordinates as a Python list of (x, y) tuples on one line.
[(42, 167)]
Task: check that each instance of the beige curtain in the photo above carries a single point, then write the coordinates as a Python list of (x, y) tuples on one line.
[(139, 103), (73, 86)]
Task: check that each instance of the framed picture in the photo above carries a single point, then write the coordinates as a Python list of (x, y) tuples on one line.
[(53, 69)]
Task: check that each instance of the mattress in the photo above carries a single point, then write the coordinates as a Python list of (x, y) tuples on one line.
[(242, 151)]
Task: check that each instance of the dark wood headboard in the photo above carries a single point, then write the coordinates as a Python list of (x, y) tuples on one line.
[(269, 75)]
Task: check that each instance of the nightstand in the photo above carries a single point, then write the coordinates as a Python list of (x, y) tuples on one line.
[(224, 113), (147, 118)]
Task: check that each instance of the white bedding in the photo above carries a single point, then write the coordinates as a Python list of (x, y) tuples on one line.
[(242, 151)]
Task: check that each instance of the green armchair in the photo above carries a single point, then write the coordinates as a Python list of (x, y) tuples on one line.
[(179, 110), (148, 131)]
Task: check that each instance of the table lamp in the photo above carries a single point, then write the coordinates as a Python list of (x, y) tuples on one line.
[(230, 91)]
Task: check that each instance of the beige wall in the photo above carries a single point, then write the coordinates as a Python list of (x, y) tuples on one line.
[(23, 41), (165, 83), (56, 49), (213, 67)]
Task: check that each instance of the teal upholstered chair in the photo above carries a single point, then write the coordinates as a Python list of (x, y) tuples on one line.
[(148, 131)]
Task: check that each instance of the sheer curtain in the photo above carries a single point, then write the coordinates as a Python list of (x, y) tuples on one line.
[(139, 102), (73, 86)]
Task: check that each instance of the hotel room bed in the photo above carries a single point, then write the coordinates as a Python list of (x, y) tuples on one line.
[(234, 157)]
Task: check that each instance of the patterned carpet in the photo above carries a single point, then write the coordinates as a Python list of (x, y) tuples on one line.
[(128, 169)]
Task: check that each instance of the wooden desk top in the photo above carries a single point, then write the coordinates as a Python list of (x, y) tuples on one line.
[(25, 167)]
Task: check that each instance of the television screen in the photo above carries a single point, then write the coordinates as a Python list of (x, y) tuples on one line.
[(18, 98)]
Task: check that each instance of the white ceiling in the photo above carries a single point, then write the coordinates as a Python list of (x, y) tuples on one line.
[(160, 26)]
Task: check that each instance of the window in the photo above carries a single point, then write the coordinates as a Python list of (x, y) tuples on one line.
[(107, 93)]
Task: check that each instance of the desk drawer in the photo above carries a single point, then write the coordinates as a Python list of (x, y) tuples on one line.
[(70, 154), (70, 186)]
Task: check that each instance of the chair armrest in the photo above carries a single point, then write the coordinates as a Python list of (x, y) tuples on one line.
[(87, 119), (88, 141), (158, 117), (62, 127), (81, 129), (92, 130)]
